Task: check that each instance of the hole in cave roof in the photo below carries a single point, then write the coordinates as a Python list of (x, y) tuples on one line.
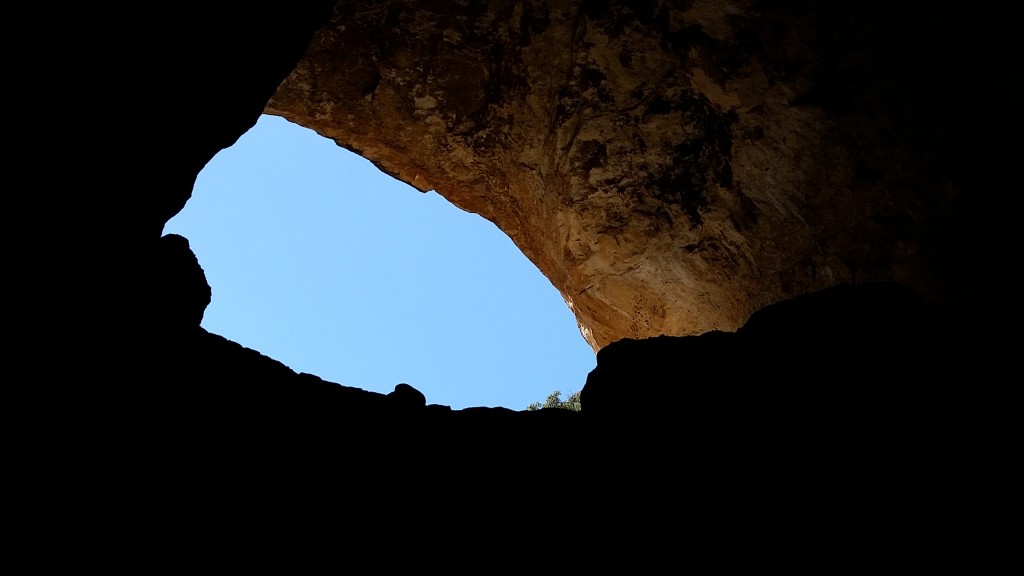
[(321, 261)]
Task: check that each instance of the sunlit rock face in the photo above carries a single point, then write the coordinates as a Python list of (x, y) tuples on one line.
[(672, 167)]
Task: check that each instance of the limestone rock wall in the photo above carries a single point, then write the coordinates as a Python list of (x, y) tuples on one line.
[(672, 167)]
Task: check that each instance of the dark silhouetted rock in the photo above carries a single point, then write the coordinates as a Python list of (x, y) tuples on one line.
[(785, 228), (180, 291)]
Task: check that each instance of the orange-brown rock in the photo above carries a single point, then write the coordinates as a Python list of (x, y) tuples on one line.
[(671, 167)]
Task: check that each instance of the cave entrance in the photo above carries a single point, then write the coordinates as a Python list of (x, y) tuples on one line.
[(321, 261)]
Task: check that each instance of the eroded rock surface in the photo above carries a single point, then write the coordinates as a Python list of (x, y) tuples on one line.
[(672, 167)]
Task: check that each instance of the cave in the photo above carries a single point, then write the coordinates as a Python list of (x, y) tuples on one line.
[(785, 228)]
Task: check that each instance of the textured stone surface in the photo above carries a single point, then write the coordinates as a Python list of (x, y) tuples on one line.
[(673, 167)]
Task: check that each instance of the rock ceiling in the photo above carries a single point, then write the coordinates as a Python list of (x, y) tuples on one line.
[(670, 167)]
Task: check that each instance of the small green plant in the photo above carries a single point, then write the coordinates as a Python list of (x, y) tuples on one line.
[(555, 401)]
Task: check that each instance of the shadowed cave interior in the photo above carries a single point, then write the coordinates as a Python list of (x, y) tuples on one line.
[(788, 229)]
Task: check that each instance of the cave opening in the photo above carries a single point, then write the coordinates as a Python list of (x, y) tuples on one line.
[(321, 261)]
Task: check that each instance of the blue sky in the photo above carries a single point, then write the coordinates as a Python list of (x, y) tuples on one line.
[(320, 261)]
